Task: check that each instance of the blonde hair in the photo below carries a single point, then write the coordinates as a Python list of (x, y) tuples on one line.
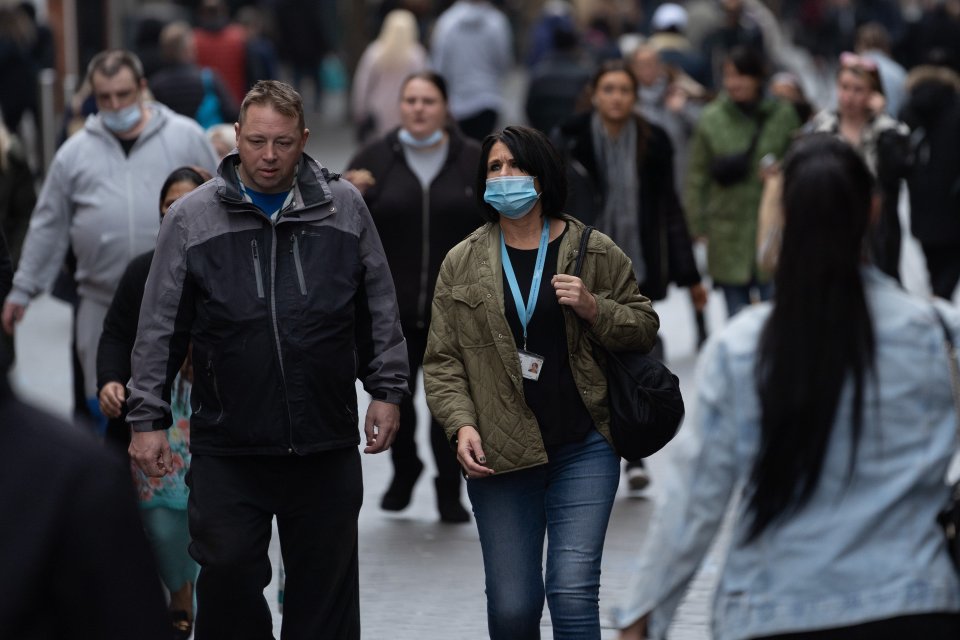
[(398, 37)]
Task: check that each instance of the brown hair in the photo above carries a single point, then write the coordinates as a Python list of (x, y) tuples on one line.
[(283, 98), (110, 62)]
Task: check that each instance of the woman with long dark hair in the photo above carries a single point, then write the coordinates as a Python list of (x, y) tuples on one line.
[(829, 416)]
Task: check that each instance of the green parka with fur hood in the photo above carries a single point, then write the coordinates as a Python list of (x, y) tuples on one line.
[(471, 369)]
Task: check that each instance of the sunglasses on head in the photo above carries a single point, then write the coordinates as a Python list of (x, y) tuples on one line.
[(850, 60)]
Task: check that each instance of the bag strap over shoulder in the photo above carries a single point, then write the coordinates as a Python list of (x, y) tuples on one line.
[(582, 251)]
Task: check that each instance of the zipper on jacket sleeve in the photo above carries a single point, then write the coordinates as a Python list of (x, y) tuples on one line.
[(256, 268), (295, 250)]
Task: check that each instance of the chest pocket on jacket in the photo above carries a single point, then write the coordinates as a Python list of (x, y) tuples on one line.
[(470, 315)]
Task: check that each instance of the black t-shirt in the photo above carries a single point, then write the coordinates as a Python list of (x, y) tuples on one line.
[(554, 398), (127, 144)]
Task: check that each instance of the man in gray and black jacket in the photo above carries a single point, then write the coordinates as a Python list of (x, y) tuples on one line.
[(276, 276)]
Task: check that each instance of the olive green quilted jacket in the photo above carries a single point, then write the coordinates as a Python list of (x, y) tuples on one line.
[(727, 215), (471, 369)]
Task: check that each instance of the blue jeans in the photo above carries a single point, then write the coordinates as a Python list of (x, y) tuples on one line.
[(737, 296), (569, 500)]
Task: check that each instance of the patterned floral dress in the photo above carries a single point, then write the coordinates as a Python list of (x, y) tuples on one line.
[(170, 491)]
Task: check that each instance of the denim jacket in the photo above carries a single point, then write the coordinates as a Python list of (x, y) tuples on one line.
[(866, 546)]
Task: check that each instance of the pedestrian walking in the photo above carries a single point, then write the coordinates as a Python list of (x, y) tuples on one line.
[(472, 48), (620, 167), (382, 71), (510, 375), (72, 547), (418, 184), (188, 89), (881, 140), (932, 112), (163, 504), (274, 274), (724, 183), (98, 199), (836, 457)]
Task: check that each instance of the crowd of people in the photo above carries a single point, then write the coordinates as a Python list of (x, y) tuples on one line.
[(219, 341)]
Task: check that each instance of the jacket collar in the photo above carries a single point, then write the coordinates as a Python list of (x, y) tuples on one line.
[(311, 189)]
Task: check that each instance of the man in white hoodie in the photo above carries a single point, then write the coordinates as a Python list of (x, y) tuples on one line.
[(472, 48), (100, 198)]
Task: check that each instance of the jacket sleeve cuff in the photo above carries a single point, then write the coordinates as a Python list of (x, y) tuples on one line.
[(19, 296), (604, 316), (390, 397), (142, 427)]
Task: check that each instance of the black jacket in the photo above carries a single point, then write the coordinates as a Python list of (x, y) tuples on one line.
[(181, 88), (665, 239), (283, 316), (933, 113), (76, 563), (119, 334), (419, 227), (6, 268)]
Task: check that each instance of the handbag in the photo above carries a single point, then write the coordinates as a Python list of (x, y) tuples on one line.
[(949, 517), (646, 407), (729, 169)]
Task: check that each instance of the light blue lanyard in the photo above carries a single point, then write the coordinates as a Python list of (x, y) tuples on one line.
[(534, 286)]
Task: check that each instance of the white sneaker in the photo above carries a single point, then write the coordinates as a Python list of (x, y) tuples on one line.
[(637, 479)]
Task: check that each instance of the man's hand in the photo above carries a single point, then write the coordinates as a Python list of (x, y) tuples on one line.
[(112, 396), (383, 420), (362, 179), (470, 453), (698, 295), (151, 451), (12, 314), (636, 631)]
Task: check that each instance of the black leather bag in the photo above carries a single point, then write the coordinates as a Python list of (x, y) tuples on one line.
[(646, 407), (949, 517)]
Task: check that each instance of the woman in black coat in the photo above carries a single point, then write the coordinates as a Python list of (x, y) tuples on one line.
[(417, 182), (620, 172)]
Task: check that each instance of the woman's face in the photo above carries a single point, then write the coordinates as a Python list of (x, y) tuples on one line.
[(176, 190), (422, 108), (615, 96), (500, 163), (853, 94), (740, 87)]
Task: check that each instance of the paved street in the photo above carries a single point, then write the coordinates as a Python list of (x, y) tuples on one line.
[(421, 579)]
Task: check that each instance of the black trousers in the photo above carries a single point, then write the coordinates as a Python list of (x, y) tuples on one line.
[(404, 449), (316, 500), (929, 626), (943, 265)]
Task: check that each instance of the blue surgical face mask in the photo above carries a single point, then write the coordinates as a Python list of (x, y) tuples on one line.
[(122, 119), (419, 143), (513, 196)]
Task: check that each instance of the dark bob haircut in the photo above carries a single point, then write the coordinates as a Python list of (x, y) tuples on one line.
[(748, 62), (536, 156)]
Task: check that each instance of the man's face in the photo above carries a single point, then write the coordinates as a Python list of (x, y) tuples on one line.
[(113, 93), (270, 145), (646, 66)]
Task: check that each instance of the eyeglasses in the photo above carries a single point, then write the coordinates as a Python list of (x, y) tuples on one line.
[(850, 60)]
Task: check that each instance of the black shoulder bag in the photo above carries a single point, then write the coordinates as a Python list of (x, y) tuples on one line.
[(646, 407), (949, 518), (732, 168)]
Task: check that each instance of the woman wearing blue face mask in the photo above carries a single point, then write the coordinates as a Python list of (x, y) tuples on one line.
[(510, 375), (417, 182)]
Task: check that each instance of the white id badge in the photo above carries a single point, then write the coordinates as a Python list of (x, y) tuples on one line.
[(530, 364)]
